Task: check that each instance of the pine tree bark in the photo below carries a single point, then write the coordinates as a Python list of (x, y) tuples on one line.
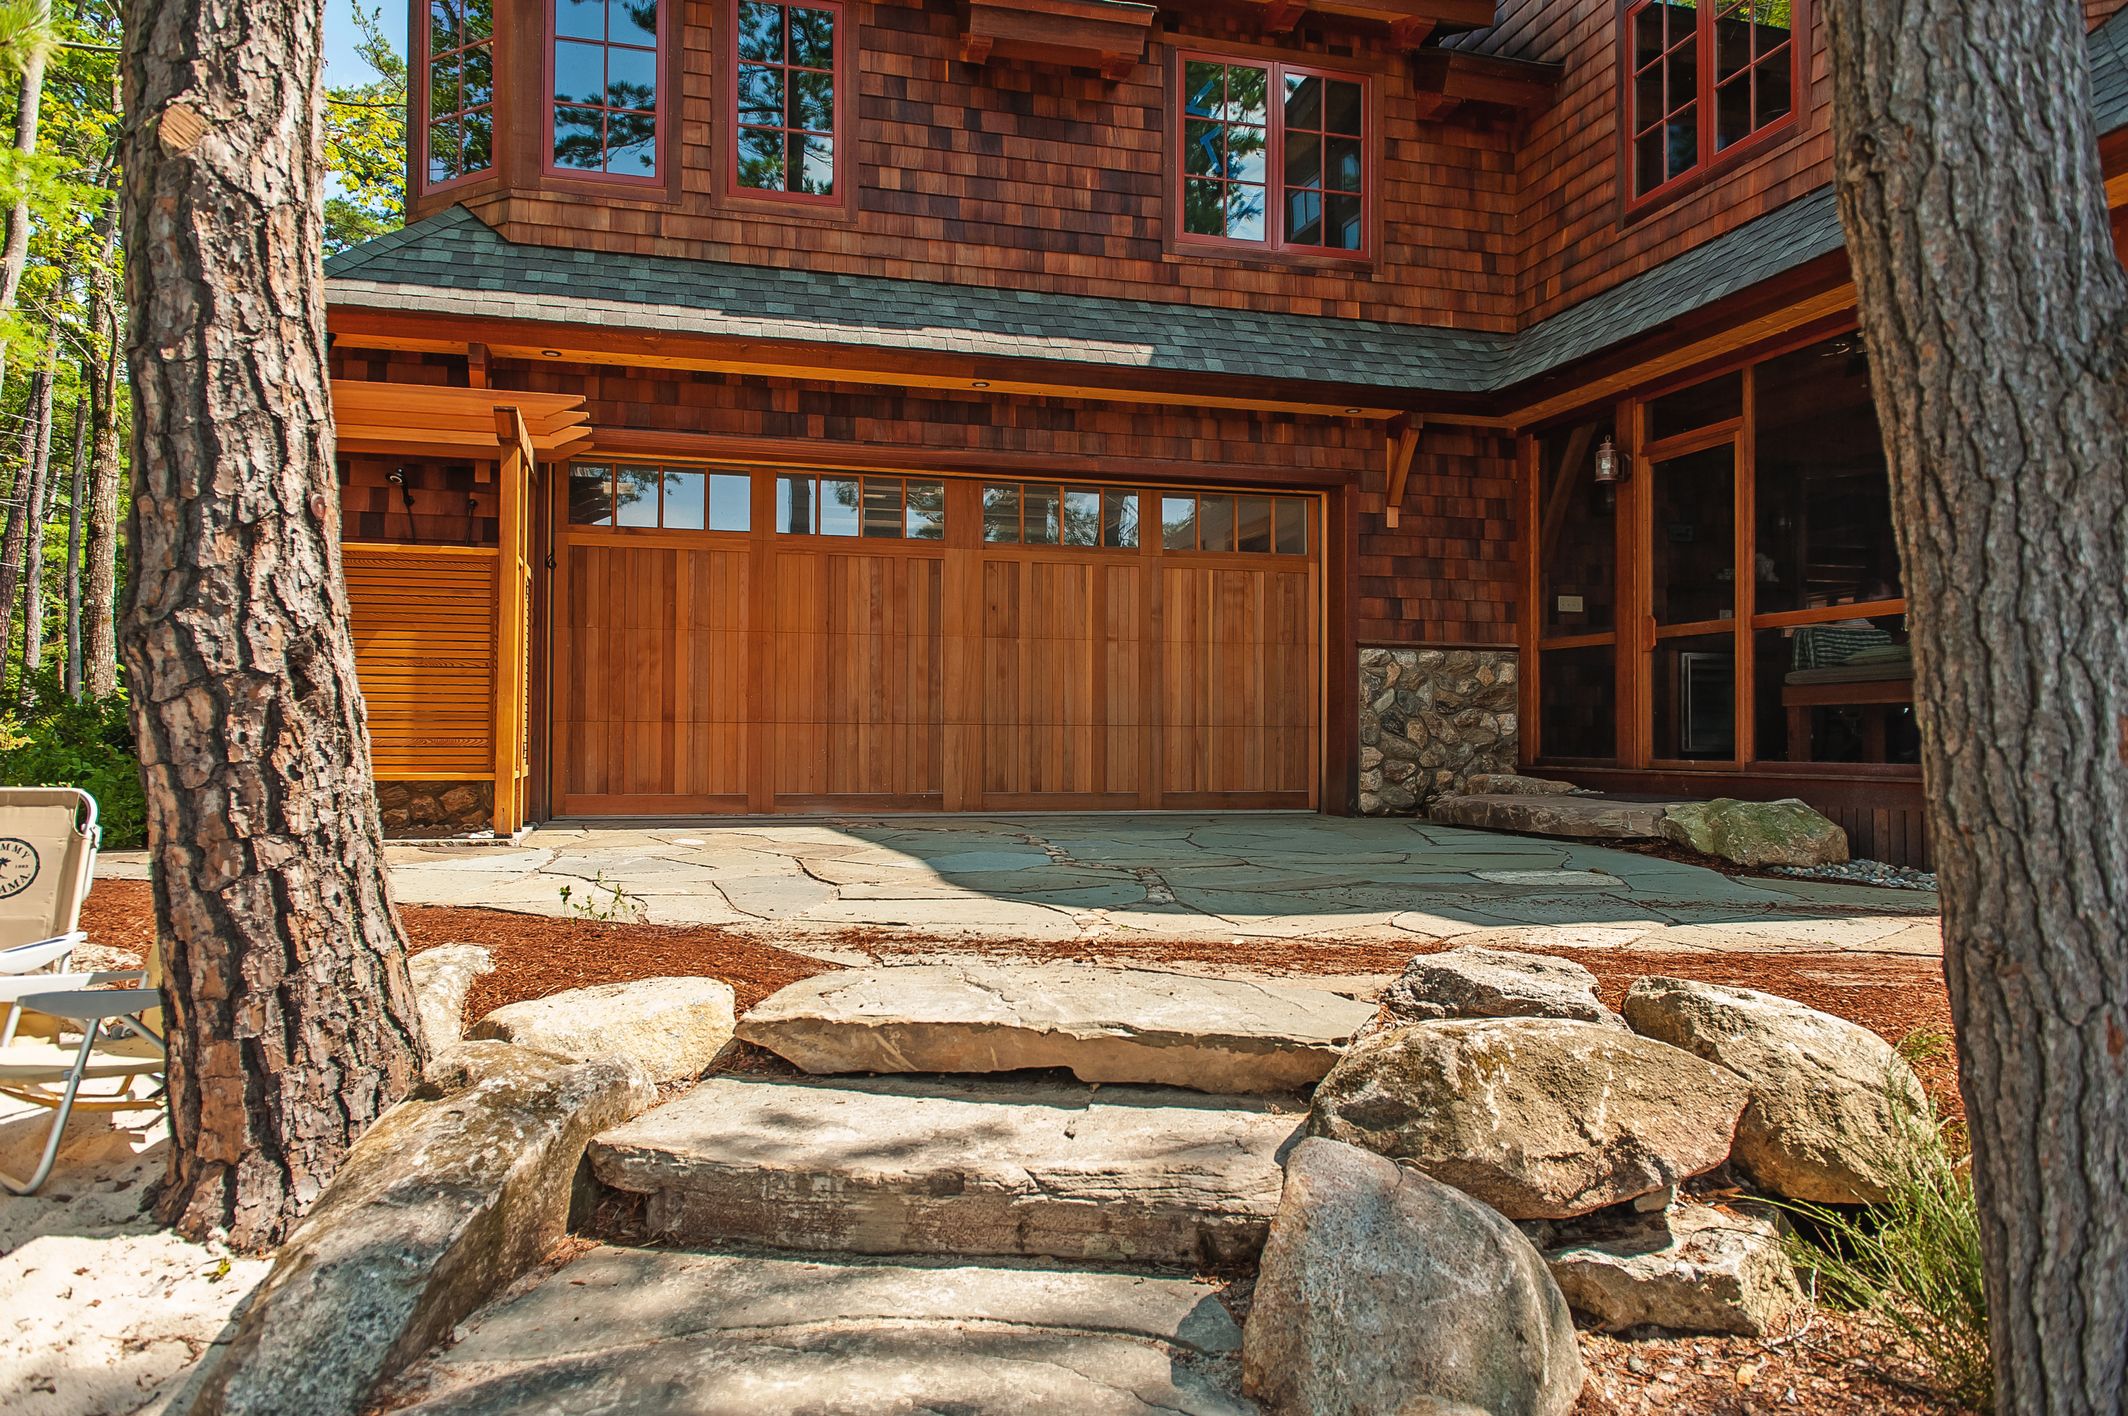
[(40, 470), (77, 486), (293, 1024), (23, 498), (106, 472), (1996, 314)]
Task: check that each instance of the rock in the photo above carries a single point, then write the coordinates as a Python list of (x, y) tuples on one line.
[(443, 976), (1515, 784), (1593, 818), (1833, 1108), (666, 1332), (1694, 1269), (1105, 1025), (949, 1165), (1474, 982), (446, 1200), (1541, 1118), (673, 1028), (1383, 1291), (1756, 833)]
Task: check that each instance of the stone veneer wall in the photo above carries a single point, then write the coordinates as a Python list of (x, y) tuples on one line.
[(436, 808), (1429, 719)]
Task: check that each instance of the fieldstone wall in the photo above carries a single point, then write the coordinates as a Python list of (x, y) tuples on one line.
[(425, 809), (1429, 719)]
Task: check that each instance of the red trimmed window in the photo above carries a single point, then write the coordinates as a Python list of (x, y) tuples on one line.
[(605, 87), (1707, 77), (459, 117), (1273, 156), (785, 84)]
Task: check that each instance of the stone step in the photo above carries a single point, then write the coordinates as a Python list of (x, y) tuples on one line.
[(676, 1333), (1225, 1036), (954, 1165), (1582, 818)]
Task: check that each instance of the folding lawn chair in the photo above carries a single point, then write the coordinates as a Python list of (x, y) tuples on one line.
[(48, 841), (63, 1029)]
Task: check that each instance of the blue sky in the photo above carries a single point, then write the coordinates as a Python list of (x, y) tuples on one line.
[(341, 64)]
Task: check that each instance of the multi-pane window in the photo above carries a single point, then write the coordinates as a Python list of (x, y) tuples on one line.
[(606, 87), (1045, 514), (1212, 521), (1273, 156), (460, 117), (784, 81), (901, 508), (1706, 76), (654, 495)]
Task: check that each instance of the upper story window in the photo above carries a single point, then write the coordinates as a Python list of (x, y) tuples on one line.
[(605, 89), (1273, 156), (1707, 76), (460, 112), (786, 95)]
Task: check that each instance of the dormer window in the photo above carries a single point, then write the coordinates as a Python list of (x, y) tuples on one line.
[(605, 87), (1707, 80), (458, 119), (1272, 156)]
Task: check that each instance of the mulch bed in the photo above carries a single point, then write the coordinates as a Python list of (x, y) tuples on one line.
[(1834, 1364)]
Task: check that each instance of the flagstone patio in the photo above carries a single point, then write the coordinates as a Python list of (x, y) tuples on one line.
[(1063, 878)]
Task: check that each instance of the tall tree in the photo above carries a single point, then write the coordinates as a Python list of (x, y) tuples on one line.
[(106, 468), (37, 509), (29, 45), (292, 1021), (24, 497), (1996, 314), (365, 141), (77, 488)]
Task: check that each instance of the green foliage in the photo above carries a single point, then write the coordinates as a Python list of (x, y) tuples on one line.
[(1914, 1261), (61, 743), (365, 144)]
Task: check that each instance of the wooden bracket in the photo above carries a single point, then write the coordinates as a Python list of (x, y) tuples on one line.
[(511, 432), (1117, 66), (1411, 33), (1403, 446), (1280, 16), (477, 365), (975, 48)]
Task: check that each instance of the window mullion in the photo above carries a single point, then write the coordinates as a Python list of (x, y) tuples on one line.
[(1275, 156)]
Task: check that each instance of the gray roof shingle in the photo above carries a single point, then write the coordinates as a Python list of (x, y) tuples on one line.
[(454, 263)]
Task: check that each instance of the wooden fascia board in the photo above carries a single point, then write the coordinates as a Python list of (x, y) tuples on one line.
[(1456, 15), (415, 331), (1075, 33), (1445, 79)]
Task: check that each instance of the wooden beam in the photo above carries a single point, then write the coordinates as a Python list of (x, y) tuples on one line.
[(510, 618), (1411, 32), (1280, 16), (477, 364), (1403, 449)]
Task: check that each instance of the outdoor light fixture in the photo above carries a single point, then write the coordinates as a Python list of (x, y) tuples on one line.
[(1607, 469), (980, 383), (550, 353)]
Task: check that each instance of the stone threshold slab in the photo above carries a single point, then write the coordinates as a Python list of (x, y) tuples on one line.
[(1590, 818), (1103, 1025), (949, 1165)]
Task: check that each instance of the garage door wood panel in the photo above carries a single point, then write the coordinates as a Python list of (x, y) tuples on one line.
[(727, 672)]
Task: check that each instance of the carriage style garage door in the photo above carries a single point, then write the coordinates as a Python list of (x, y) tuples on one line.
[(728, 641)]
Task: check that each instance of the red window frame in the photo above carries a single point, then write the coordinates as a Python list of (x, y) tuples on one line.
[(660, 131), (422, 113), (1275, 239), (1708, 88), (838, 194)]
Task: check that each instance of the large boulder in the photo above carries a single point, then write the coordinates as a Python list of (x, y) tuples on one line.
[(672, 1028), (451, 1196), (443, 978), (1756, 833), (1541, 1118), (1383, 1291), (1476, 982), (1833, 1108), (1693, 1268)]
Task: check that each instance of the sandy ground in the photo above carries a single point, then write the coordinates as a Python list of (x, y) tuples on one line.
[(101, 1312)]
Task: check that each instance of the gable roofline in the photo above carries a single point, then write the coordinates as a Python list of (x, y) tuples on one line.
[(454, 264)]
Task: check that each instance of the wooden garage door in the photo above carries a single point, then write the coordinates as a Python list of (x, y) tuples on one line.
[(792, 642)]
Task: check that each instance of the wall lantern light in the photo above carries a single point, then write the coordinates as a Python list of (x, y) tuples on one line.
[(1608, 472)]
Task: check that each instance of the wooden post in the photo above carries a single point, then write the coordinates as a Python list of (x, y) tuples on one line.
[(510, 629)]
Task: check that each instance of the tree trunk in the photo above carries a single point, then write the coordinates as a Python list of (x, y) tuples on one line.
[(1996, 314), (293, 1024), (77, 486), (22, 500), (40, 470), (99, 630), (15, 247)]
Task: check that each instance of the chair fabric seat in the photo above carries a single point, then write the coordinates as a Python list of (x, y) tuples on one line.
[(40, 1059)]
